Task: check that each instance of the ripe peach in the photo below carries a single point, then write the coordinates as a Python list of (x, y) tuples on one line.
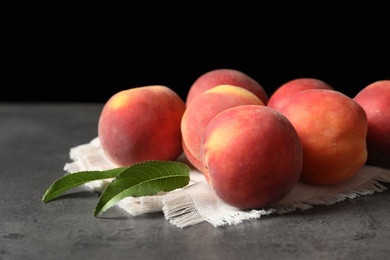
[(141, 124), (203, 108), (251, 156), (375, 100), (332, 128), (233, 77), (191, 158), (290, 88)]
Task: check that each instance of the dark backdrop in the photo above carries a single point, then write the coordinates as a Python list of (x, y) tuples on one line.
[(69, 58), (90, 76)]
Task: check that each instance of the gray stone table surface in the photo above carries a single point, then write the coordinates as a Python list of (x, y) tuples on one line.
[(35, 139)]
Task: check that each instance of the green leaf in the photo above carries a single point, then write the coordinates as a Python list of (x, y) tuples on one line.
[(144, 179), (78, 178)]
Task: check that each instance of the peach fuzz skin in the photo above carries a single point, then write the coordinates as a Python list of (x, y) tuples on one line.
[(375, 100), (251, 156), (332, 128), (233, 77), (141, 124), (203, 108), (292, 87), (195, 162)]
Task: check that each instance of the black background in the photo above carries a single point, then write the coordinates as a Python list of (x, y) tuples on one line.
[(83, 77), (72, 57)]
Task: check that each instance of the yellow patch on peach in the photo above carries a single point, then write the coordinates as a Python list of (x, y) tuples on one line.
[(217, 139), (225, 88), (123, 97), (120, 100)]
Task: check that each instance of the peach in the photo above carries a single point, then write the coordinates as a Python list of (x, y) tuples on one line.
[(233, 77), (332, 128), (280, 96), (141, 124), (194, 161), (251, 156), (203, 108), (375, 100)]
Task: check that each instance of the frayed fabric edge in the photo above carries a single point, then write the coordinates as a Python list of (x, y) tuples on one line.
[(369, 187), (237, 217), (180, 210)]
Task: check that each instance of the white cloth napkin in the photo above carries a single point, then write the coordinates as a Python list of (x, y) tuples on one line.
[(197, 202)]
